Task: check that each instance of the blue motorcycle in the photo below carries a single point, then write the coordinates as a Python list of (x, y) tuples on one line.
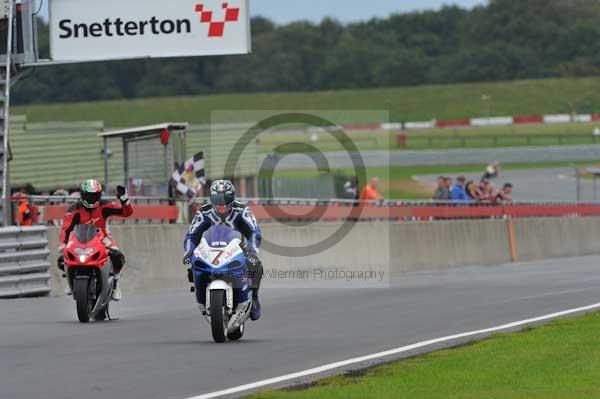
[(222, 282)]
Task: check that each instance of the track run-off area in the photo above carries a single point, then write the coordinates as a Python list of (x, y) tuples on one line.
[(161, 348)]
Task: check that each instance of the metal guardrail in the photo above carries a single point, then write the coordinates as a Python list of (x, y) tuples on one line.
[(163, 210), (41, 200), (492, 140), (24, 264)]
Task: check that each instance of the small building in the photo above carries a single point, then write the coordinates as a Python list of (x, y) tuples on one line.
[(151, 152), (149, 155)]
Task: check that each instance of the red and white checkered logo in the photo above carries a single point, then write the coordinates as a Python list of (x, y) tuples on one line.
[(216, 28)]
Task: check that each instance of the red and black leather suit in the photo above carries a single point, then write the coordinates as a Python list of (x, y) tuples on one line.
[(98, 216)]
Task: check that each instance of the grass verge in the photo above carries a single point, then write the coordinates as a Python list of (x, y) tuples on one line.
[(404, 104), (556, 361), (467, 137)]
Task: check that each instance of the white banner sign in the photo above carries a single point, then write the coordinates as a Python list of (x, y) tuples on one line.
[(96, 30)]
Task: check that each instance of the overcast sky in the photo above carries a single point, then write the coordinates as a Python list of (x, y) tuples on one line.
[(283, 11)]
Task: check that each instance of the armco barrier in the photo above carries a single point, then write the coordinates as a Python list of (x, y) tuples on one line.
[(24, 262), (154, 251)]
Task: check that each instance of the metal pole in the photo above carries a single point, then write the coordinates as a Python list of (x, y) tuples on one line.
[(8, 212), (182, 146), (6, 206), (105, 162), (125, 162), (595, 187), (166, 162), (578, 179)]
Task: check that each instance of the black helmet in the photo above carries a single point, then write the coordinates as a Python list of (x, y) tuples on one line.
[(222, 195)]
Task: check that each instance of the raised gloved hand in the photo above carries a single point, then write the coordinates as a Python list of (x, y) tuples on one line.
[(122, 194), (121, 191)]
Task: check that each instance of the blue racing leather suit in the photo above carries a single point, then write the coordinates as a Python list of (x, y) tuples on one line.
[(240, 218)]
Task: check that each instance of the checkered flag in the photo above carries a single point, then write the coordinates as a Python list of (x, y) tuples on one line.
[(187, 178)]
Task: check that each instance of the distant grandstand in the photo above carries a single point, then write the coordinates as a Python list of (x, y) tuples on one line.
[(55, 155)]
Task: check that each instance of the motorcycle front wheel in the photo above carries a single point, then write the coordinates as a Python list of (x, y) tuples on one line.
[(218, 316), (83, 299)]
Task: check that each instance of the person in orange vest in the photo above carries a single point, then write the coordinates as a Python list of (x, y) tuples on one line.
[(370, 193), (24, 212)]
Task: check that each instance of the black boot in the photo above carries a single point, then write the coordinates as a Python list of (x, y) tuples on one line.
[(255, 312), (60, 262), (256, 273), (118, 260)]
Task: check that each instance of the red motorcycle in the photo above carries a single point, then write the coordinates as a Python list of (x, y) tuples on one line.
[(89, 272)]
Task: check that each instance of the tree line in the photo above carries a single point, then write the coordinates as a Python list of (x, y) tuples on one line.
[(503, 40)]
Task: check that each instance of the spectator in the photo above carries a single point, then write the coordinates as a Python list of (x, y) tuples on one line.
[(458, 192), (448, 181), (505, 195), (482, 184), (59, 193), (492, 171), (24, 211), (441, 193), (351, 189), (370, 193), (488, 191), (473, 192)]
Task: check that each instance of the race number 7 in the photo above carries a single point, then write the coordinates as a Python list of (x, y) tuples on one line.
[(216, 259)]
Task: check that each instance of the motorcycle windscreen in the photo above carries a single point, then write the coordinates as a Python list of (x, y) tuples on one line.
[(220, 235), (85, 233)]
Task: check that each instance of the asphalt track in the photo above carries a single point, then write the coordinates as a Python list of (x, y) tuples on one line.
[(160, 347), (461, 156)]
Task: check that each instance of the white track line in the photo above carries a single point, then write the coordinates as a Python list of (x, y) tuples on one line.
[(332, 366)]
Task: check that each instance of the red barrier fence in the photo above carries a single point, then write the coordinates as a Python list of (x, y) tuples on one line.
[(166, 213), (528, 119), (419, 212), (454, 123), (267, 211)]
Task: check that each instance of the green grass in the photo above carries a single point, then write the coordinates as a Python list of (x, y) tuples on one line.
[(557, 361), (469, 137), (404, 104), (397, 182)]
